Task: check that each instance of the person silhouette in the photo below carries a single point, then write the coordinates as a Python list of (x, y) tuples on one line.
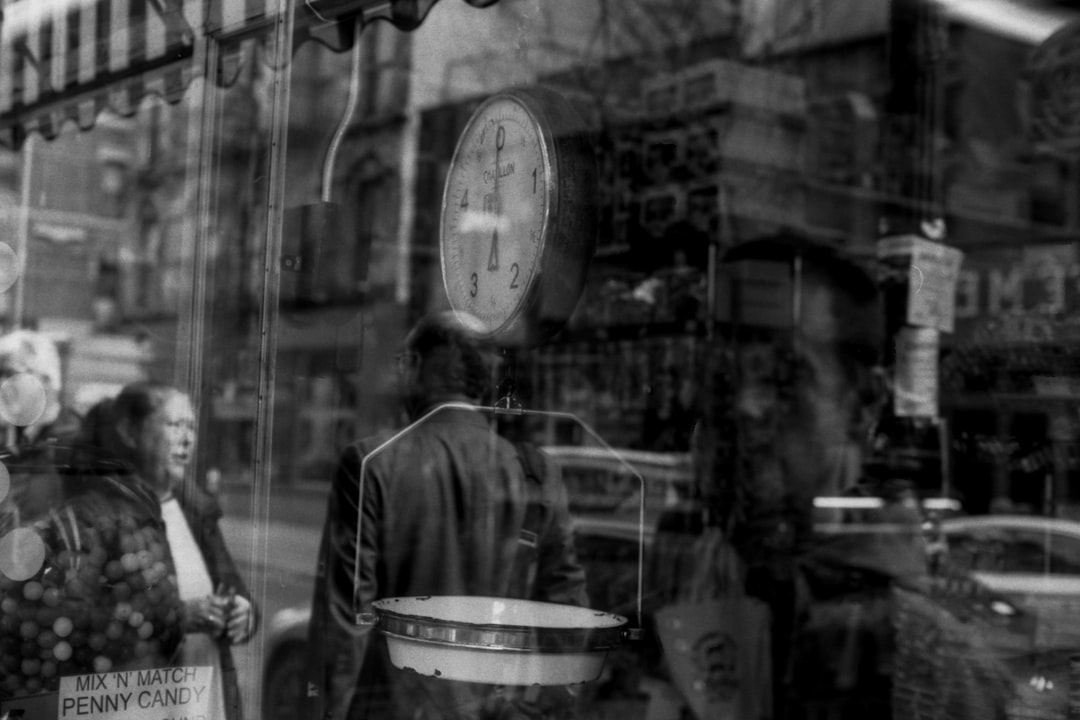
[(446, 511)]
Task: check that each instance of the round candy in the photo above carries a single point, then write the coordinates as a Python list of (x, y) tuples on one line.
[(51, 596), (62, 651), (130, 562), (97, 641), (28, 629), (63, 626), (114, 570), (47, 639), (75, 586), (33, 590), (114, 630)]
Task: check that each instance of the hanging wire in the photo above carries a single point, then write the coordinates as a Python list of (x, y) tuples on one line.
[(346, 116)]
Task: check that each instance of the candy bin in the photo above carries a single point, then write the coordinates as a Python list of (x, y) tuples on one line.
[(87, 583)]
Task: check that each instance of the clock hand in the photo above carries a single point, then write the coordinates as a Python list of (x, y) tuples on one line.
[(498, 146), (493, 253)]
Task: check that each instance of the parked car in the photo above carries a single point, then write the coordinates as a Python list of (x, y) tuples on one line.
[(602, 480), (1034, 561), (283, 676), (1020, 555)]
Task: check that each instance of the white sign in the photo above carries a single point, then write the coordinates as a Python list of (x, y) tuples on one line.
[(916, 388), (934, 268), (181, 693)]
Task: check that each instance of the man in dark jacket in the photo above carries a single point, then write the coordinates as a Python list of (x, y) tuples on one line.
[(445, 510)]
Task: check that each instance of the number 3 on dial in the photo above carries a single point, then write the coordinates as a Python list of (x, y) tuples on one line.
[(510, 173)]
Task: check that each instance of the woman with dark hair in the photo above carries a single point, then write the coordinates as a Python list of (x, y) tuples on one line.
[(150, 429)]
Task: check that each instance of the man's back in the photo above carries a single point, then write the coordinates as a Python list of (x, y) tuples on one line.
[(447, 504), (449, 508)]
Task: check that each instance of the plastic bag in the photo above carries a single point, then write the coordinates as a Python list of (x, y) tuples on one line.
[(716, 639)]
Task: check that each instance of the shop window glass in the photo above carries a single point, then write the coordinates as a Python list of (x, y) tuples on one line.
[(829, 306)]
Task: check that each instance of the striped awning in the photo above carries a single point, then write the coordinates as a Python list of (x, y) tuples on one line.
[(66, 61)]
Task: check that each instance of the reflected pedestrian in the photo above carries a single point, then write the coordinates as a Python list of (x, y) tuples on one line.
[(150, 427), (87, 584), (33, 420), (445, 512), (791, 413), (31, 376)]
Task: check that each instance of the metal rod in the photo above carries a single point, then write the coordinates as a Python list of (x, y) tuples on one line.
[(22, 237), (280, 47)]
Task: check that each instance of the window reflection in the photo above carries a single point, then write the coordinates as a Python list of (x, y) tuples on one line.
[(170, 209)]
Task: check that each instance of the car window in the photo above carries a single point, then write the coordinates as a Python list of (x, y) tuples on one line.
[(1041, 552), (978, 549), (1014, 551), (1025, 552)]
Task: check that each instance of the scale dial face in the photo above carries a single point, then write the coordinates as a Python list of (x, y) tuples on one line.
[(501, 190)]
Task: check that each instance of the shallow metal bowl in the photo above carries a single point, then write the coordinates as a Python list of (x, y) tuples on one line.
[(500, 641)]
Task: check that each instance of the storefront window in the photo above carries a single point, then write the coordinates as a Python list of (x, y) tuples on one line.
[(522, 358)]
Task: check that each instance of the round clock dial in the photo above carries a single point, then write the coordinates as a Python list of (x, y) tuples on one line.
[(505, 232)]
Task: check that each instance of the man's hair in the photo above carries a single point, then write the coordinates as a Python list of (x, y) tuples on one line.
[(139, 400), (454, 357)]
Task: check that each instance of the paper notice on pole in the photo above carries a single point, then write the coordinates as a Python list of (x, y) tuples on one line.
[(181, 693), (932, 299), (932, 274), (916, 376)]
